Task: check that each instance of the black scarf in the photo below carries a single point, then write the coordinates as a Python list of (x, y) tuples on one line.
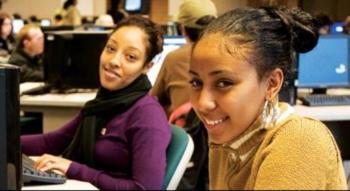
[(97, 112)]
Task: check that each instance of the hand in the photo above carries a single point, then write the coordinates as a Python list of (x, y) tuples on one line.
[(50, 162)]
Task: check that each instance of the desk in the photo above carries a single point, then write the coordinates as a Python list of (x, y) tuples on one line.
[(325, 113), (57, 109), (68, 185)]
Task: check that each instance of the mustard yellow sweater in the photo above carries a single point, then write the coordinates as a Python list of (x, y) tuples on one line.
[(298, 153)]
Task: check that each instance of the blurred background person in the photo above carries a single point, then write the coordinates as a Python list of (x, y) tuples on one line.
[(346, 28), (116, 12), (171, 86), (27, 54), (6, 38), (323, 23), (34, 19), (70, 13), (58, 20), (104, 20)]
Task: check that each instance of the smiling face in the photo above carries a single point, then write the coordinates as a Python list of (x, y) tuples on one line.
[(227, 94), (123, 58)]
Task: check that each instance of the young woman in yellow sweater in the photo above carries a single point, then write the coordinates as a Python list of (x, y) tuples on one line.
[(256, 142)]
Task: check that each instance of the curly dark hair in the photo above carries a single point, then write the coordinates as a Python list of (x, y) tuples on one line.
[(152, 30), (271, 35)]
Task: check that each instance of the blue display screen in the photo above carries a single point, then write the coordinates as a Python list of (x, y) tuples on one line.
[(327, 65)]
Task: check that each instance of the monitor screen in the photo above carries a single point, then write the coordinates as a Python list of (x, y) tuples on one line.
[(17, 24), (327, 65), (45, 22), (72, 58), (170, 43), (133, 5), (136, 6), (337, 28)]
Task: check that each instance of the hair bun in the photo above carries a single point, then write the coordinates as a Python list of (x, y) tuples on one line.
[(303, 29)]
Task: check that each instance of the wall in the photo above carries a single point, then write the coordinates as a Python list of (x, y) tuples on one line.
[(259, 3), (226, 5), (221, 5), (343, 9), (336, 9), (26, 8), (162, 10), (46, 8), (159, 11)]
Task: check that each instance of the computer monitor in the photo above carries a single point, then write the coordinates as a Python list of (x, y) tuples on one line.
[(71, 58), (136, 6), (45, 22), (337, 28), (17, 24), (10, 158), (170, 43), (55, 28), (327, 65)]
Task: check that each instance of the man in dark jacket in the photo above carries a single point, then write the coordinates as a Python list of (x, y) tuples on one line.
[(27, 55)]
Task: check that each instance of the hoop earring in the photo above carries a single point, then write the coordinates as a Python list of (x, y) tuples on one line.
[(270, 113), (265, 113)]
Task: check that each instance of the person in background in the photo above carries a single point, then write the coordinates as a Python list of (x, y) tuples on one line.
[(34, 19), (6, 38), (256, 142), (28, 53), (346, 27), (58, 20), (17, 16), (70, 13), (104, 20), (119, 139), (115, 11), (171, 86), (323, 23)]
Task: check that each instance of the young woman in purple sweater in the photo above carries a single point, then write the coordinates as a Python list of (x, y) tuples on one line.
[(119, 139)]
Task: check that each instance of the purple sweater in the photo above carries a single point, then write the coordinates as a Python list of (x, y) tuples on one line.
[(131, 154)]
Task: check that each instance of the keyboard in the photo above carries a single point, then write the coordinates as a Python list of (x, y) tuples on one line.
[(325, 100), (31, 175)]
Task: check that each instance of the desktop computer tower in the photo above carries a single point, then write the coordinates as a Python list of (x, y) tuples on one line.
[(10, 157), (288, 92)]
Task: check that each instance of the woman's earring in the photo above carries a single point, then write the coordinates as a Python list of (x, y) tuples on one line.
[(265, 113), (270, 112)]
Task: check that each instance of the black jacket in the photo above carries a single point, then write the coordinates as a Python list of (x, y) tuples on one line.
[(31, 68), (5, 46)]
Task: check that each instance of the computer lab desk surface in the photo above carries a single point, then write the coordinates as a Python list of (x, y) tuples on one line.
[(57, 109), (68, 185), (325, 113)]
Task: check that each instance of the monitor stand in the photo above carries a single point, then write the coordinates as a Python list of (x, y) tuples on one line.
[(71, 90), (319, 91), (64, 90)]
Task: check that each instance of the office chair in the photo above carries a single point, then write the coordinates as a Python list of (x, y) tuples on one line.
[(179, 153), (178, 116)]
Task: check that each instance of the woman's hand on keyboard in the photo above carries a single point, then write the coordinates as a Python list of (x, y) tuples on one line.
[(51, 162)]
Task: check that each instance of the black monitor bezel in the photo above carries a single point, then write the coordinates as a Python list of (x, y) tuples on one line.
[(143, 9), (57, 72)]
